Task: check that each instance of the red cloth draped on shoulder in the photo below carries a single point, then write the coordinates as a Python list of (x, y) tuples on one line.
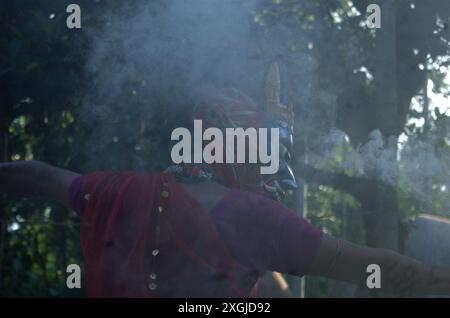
[(120, 217)]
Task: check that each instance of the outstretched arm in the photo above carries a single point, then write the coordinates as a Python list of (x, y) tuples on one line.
[(400, 275), (35, 178)]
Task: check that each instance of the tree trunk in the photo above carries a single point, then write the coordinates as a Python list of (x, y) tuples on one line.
[(3, 157), (381, 203)]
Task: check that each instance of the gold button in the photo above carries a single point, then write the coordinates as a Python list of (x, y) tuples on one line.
[(160, 209), (87, 196), (165, 194), (152, 286), (153, 276), (155, 252)]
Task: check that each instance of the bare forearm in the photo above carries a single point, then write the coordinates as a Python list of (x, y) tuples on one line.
[(400, 275), (22, 177), (35, 178), (406, 276)]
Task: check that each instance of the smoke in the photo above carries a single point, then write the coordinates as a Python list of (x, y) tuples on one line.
[(415, 164), (423, 168), (198, 41), (150, 60)]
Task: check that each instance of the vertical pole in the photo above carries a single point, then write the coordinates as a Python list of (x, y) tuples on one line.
[(298, 285), (303, 211)]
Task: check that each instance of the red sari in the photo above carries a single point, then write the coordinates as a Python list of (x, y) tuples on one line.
[(143, 235), (120, 241)]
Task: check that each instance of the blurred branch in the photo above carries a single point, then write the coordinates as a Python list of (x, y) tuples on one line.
[(357, 186)]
